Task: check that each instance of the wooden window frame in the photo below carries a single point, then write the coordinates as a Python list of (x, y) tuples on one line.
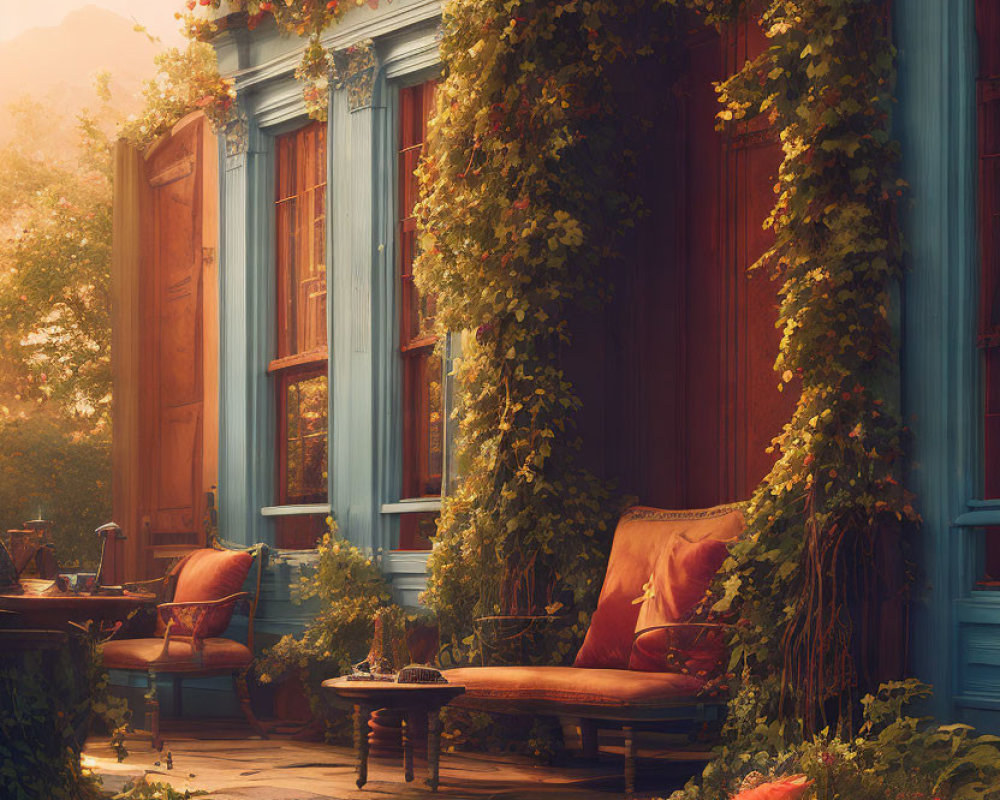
[(305, 192), (416, 351), (291, 365), (283, 380)]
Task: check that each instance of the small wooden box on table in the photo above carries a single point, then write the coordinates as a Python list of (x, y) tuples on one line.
[(411, 699)]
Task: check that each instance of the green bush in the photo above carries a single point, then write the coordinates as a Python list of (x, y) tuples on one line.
[(45, 712)]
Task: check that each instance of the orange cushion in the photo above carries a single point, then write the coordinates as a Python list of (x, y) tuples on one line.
[(643, 536), (592, 687), (138, 654), (679, 582), (210, 574)]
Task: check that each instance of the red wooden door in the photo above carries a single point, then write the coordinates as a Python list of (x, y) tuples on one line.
[(174, 321), (733, 406), (678, 382)]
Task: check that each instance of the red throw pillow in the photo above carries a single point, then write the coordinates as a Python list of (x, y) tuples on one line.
[(791, 788), (642, 537), (211, 575), (678, 583)]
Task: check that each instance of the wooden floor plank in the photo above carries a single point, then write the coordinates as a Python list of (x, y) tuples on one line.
[(214, 756)]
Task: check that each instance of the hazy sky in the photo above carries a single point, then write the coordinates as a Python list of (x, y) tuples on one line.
[(17, 16)]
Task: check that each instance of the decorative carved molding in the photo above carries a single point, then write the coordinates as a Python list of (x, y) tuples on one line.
[(237, 133), (354, 69)]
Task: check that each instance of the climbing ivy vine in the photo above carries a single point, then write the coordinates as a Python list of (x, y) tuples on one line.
[(820, 577)]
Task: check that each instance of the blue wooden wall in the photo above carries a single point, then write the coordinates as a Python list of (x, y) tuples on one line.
[(956, 631), (365, 438)]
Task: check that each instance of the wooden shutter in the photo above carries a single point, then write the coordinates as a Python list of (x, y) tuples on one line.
[(166, 359)]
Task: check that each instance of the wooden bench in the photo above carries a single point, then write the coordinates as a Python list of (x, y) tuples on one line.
[(644, 658)]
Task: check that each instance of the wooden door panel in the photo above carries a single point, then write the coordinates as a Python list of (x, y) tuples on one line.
[(178, 356), (704, 302), (165, 350), (179, 245), (177, 478), (173, 500)]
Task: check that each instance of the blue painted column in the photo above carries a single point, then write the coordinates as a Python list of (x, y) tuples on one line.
[(355, 115), (936, 125), (246, 426)]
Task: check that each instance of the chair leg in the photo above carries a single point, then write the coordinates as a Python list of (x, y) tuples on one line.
[(178, 697), (588, 739), (629, 762), (243, 694), (153, 711)]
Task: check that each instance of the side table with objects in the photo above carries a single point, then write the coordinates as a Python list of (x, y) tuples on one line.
[(411, 699)]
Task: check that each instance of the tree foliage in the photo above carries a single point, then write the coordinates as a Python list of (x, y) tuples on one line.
[(187, 79), (55, 334), (55, 276)]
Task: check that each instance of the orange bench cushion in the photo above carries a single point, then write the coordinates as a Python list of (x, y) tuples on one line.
[(138, 654), (611, 688), (645, 537)]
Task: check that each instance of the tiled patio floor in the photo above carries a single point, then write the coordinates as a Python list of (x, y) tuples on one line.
[(222, 759)]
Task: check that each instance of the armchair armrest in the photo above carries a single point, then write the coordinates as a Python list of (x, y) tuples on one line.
[(693, 626), (696, 648), (190, 619)]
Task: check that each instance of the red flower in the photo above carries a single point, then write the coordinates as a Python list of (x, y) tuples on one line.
[(482, 332)]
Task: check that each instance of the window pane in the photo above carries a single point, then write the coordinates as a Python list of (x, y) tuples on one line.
[(452, 468), (301, 245), (305, 440), (423, 415), (423, 446)]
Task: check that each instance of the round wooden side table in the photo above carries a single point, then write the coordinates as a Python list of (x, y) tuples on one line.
[(409, 698)]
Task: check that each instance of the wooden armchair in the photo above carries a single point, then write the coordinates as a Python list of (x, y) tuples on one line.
[(207, 589)]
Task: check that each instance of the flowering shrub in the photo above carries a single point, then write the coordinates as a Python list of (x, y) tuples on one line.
[(892, 756), (351, 588)]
